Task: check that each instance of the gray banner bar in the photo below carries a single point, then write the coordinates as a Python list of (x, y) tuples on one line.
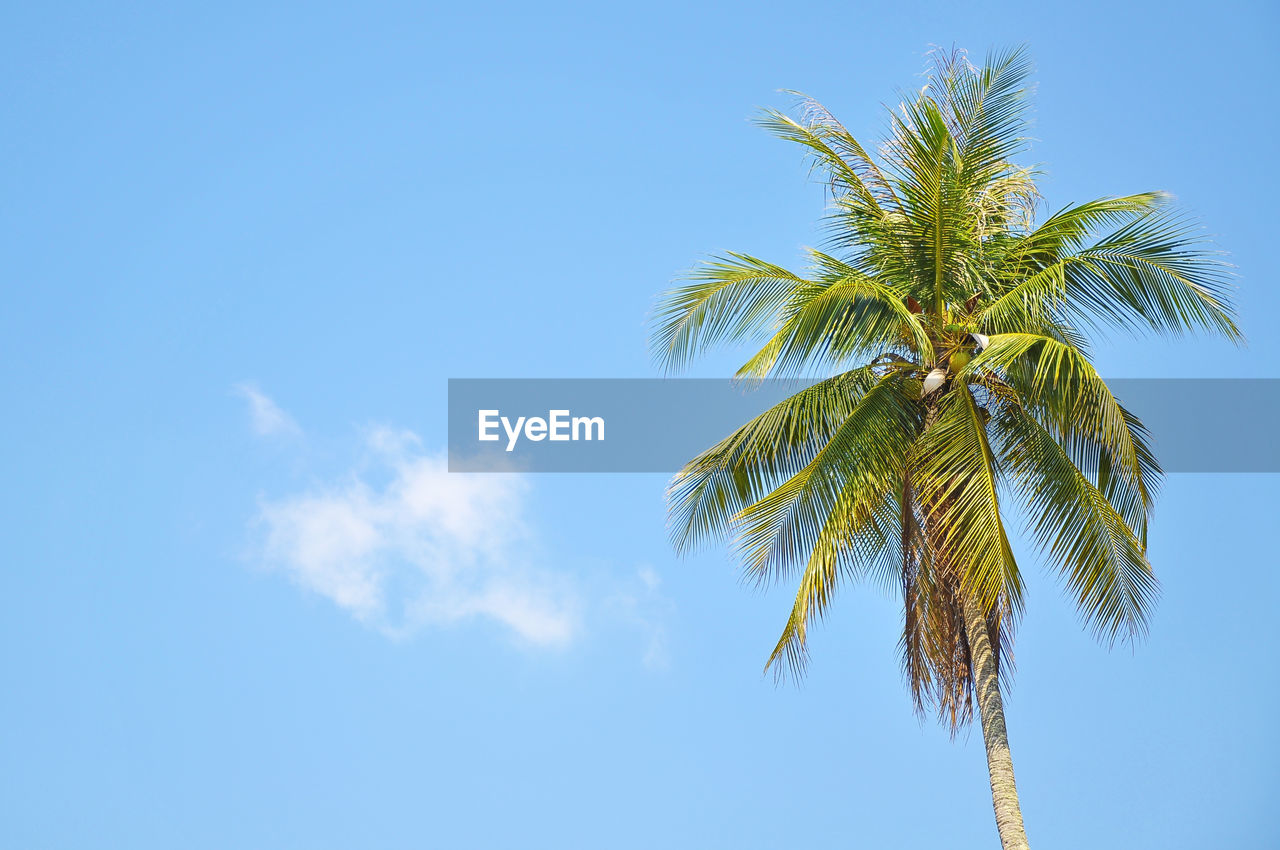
[(657, 424)]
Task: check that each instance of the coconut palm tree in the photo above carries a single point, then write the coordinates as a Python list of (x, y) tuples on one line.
[(950, 323)]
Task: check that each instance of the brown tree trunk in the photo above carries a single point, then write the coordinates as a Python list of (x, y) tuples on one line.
[(1004, 791)]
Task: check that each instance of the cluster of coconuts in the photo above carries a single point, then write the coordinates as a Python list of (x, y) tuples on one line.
[(958, 360)]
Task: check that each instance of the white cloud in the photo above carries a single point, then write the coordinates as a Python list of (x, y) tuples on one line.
[(426, 547), (402, 544), (265, 415)]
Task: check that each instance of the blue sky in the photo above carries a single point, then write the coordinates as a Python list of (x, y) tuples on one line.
[(244, 247)]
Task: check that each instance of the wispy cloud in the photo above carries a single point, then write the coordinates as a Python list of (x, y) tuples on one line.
[(402, 544), (265, 415), (424, 547)]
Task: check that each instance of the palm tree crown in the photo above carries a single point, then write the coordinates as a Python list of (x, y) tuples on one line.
[(951, 327)]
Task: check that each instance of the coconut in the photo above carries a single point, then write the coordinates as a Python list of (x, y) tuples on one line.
[(932, 381)]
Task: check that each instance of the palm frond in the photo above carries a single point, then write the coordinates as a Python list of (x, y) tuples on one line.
[(856, 535), (1056, 379), (1101, 558), (727, 300), (711, 489), (861, 463), (959, 484), (849, 170), (844, 314), (1154, 273)]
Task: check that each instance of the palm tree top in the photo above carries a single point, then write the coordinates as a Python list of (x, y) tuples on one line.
[(949, 319)]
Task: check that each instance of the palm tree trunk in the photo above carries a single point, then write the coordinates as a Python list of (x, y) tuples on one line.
[(1004, 792)]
